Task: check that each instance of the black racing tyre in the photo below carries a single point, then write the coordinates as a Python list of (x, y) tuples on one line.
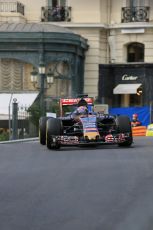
[(42, 130), (124, 126), (54, 128)]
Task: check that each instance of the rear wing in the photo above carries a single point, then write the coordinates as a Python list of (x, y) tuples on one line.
[(73, 102)]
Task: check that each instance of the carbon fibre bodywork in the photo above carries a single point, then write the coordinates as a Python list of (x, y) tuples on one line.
[(91, 130), (85, 128)]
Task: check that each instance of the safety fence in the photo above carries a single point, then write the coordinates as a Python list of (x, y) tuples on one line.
[(19, 123), (145, 113)]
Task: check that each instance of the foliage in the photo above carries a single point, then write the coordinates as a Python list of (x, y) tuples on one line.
[(35, 110), (35, 113), (4, 136), (54, 107)]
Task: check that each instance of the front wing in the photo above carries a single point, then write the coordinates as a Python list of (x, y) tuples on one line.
[(75, 140)]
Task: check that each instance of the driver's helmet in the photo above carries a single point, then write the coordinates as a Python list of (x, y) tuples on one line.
[(135, 116), (82, 110)]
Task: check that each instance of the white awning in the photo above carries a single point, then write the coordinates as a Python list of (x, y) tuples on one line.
[(126, 88), (24, 100)]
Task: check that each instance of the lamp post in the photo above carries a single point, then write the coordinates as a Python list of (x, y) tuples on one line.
[(43, 78), (42, 69), (15, 119)]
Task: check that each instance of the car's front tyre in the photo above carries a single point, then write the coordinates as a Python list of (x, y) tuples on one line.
[(53, 129), (124, 126), (42, 130)]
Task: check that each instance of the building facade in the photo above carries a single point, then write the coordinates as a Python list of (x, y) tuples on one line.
[(114, 45)]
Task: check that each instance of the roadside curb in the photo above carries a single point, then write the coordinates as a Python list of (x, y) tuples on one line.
[(20, 140)]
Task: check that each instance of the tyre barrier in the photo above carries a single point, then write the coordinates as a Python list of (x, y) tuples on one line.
[(139, 131)]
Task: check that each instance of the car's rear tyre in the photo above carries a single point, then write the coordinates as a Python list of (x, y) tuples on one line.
[(42, 130), (53, 129), (124, 126)]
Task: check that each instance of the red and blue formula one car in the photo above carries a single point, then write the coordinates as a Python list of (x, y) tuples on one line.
[(83, 126)]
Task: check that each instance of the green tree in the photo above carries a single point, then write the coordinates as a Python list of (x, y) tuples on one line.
[(35, 113)]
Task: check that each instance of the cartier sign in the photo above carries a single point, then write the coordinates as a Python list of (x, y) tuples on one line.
[(126, 77)]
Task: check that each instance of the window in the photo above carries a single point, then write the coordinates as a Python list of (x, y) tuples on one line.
[(136, 3), (135, 11), (56, 11), (135, 52), (54, 3)]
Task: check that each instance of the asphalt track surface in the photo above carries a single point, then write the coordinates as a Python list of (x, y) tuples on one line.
[(103, 188)]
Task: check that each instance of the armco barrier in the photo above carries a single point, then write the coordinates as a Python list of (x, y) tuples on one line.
[(20, 140), (139, 131)]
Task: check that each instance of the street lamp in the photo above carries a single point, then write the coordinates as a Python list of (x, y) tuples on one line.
[(139, 91), (41, 68), (34, 75), (49, 78)]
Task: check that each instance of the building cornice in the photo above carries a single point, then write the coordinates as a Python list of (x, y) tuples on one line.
[(82, 25), (131, 25)]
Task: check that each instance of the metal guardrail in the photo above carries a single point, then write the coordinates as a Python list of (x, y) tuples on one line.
[(8, 6), (20, 140), (135, 14), (20, 124), (55, 14)]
